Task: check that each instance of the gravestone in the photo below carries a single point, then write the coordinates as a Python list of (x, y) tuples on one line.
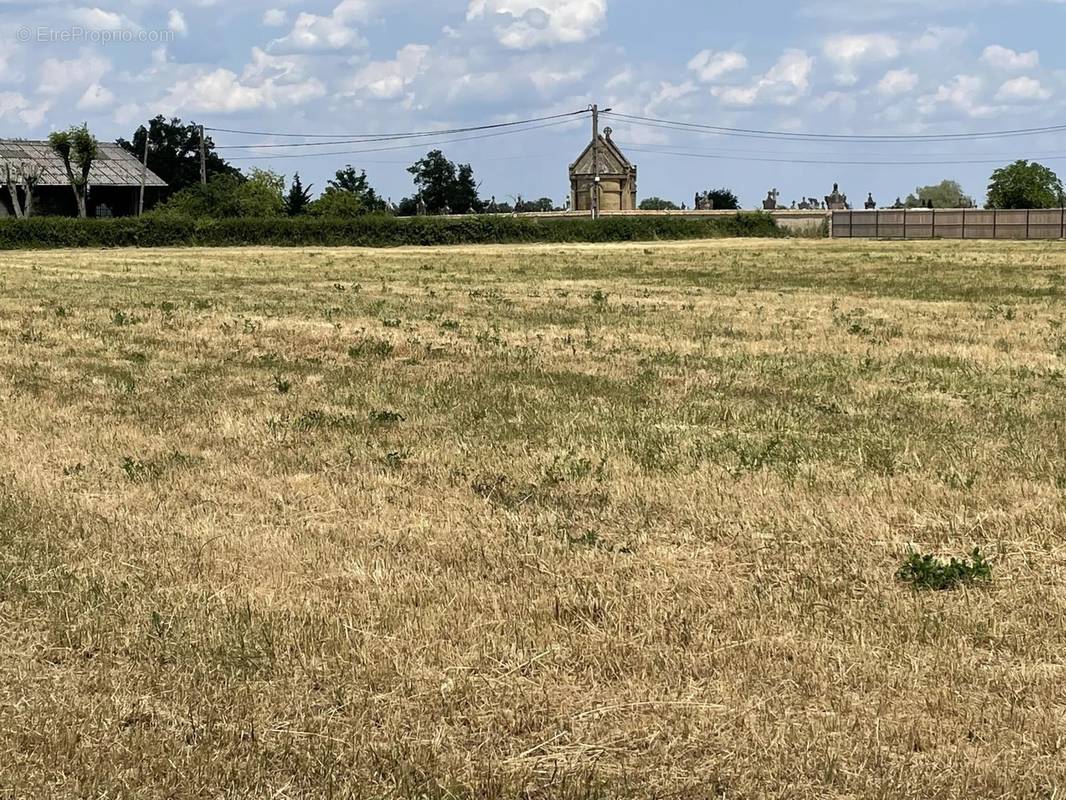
[(836, 201)]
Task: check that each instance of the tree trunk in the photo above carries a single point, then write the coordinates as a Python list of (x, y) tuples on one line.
[(29, 175), (80, 196), (12, 189)]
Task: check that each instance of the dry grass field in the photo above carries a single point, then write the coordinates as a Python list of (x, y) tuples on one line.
[(548, 522)]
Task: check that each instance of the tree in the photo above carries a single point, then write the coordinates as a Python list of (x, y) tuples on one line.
[(463, 197), (174, 154), (946, 194), (1025, 184), (658, 204), (445, 187), (335, 204), (349, 181), (78, 149), (22, 178), (258, 195), (298, 198), (719, 200), (407, 207), (261, 195)]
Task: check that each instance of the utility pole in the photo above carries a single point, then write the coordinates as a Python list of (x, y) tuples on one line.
[(144, 173), (594, 190), (203, 157)]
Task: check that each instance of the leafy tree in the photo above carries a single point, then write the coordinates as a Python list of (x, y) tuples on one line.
[(407, 207), (434, 177), (946, 194), (262, 195), (174, 155), (445, 187), (720, 200), (78, 148), (335, 203), (298, 198), (258, 195), (464, 195), (1025, 184), (355, 183), (658, 204)]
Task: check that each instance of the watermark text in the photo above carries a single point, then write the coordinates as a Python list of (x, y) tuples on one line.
[(79, 35)]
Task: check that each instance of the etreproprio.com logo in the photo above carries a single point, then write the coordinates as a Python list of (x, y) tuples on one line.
[(80, 35)]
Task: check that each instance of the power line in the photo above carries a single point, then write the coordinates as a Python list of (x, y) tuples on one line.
[(411, 146), (755, 133), (835, 163), (356, 138), (716, 151)]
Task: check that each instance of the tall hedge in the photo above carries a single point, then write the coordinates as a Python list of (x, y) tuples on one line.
[(368, 231)]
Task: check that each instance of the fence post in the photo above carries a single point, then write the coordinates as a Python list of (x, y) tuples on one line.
[(1062, 232), (1028, 211), (851, 224), (904, 223), (995, 221), (877, 224), (932, 232)]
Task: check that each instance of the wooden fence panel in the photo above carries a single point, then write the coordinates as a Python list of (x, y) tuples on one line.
[(951, 224), (841, 224)]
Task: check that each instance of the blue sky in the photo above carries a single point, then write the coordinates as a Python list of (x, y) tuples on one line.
[(364, 66)]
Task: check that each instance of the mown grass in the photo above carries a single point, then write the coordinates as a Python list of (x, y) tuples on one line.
[(544, 521)]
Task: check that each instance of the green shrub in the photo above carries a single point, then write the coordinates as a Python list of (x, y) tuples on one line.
[(929, 572), (336, 204), (259, 195), (373, 230), (43, 233)]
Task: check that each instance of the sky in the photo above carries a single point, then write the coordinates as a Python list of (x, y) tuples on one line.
[(354, 67)]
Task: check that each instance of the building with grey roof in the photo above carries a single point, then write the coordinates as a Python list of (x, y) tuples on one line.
[(114, 181)]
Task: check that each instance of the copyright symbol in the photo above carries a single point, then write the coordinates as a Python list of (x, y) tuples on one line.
[(24, 34)]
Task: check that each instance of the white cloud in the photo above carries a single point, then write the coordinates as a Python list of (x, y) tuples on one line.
[(669, 93), (275, 17), (96, 98), (333, 32), (784, 83), (388, 80), (939, 37), (176, 22), (963, 93), (850, 51), (623, 78), (1022, 90), (77, 73), (547, 79), (7, 74), (13, 104), (1005, 58), (522, 24), (710, 65), (97, 19), (267, 82), (130, 112), (897, 81)]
